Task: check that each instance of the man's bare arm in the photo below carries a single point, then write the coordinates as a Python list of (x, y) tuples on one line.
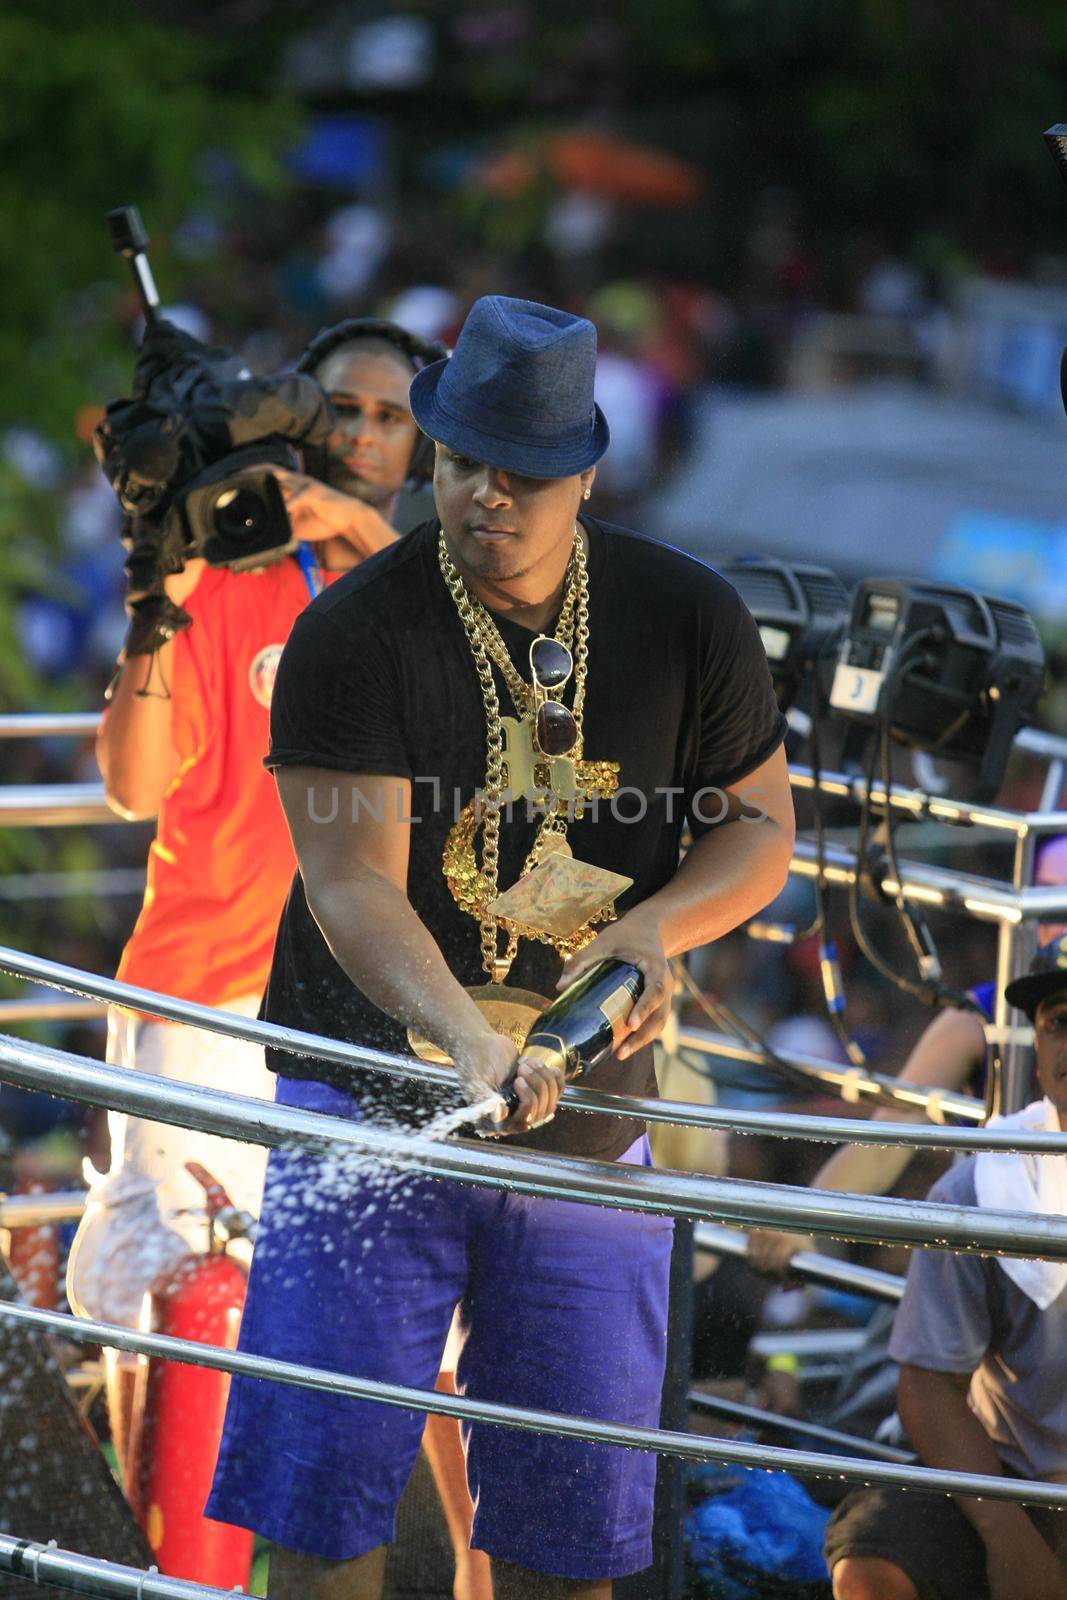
[(351, 835), (730, 873), (946, 1433), (737, 868), (134, 744), (945, 1055)]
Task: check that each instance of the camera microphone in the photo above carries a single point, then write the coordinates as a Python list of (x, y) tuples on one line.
[(129, 238)]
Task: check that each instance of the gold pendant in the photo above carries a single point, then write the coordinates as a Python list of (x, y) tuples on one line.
[(520, 777), (554, 844), (559, 896), (466, 881), (511, 1012), (529, 775)]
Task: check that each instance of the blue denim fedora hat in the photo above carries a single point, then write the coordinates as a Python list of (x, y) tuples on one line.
[(517, 391)]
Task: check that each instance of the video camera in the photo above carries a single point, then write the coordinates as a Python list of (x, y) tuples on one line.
[(190, 453)]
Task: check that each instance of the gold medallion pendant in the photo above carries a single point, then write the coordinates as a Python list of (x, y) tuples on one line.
[(507, 1010), (559, 897), (535, 756)]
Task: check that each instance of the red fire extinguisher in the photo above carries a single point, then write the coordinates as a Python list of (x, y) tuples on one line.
[(178, 1410), (34, 1257)]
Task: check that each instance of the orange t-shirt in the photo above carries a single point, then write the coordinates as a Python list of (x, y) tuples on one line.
[(221, 863)]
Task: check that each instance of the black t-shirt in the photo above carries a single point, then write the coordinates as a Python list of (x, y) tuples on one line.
[(378, 678)]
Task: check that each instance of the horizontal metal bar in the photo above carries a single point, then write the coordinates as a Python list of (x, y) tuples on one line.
[(37, 1210), (808, 1343), (228, 1023), (827, 1270), (714, 1405), (499, 1166), (52, 1568), (983, 898), (779, 1124), (54, 805), (1040, 742), (1035, 741), (49, 725), (26, 725), (851, 1083), (836, 1130), (108, 881), (662, 1441), (849, 786), (50, 1010)]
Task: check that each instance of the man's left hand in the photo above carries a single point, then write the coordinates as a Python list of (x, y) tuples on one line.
[(635, 938)]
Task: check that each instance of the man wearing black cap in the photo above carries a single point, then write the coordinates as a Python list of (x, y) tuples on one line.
[(982, 1346), (510, 694)]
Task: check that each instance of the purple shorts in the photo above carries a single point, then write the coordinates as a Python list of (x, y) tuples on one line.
[(563, 1307)]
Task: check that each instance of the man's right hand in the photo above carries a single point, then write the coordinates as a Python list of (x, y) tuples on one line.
[(488, 1061), (771, 1251)]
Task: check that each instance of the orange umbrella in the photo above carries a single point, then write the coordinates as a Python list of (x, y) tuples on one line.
[(600, 164)]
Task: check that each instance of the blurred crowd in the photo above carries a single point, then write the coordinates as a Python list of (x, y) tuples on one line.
[(780, 316), (266, 281)]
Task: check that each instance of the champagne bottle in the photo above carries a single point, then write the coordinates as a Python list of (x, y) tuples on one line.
[(586, 1023)]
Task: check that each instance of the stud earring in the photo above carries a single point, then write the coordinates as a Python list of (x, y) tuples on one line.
[(586, 493)]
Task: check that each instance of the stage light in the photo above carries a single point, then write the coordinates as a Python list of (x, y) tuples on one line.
[(800, 611), (946, 669)]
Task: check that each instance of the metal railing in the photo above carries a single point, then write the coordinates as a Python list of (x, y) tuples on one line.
[(49, 1567), (49, 725), (714, 1239), (1014, 908), (559, 1177), (51, 1010), (714, 1405), (713, 1201), (361, 1059), (855, 1084), (54, 805), (662, 1441), (38, 1210), (105, 883)]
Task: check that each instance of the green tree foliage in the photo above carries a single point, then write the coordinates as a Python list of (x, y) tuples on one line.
[(101, 106), (909, 113)]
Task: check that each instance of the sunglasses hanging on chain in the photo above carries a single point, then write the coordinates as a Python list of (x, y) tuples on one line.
[(536, 756)]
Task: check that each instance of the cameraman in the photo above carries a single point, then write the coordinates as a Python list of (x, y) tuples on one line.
[(183, 738)]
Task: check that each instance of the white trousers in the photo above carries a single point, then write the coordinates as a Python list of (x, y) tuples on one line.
[(148, 1212)]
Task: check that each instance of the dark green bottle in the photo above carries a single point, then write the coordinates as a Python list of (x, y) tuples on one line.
[(586, 1023)]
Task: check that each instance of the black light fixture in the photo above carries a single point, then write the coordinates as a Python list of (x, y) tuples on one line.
[(800, 611), (946, 669), (1056, 143)]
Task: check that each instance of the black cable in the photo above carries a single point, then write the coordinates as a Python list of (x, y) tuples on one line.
[(723, 1017), (829, 960), (856, 925), (930, 991), (915, 928), (925, 957)]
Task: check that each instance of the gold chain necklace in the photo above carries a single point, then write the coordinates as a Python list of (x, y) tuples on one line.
[(475, 889), (482, 631)]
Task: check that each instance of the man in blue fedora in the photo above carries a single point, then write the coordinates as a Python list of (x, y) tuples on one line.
[(487, 740)]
